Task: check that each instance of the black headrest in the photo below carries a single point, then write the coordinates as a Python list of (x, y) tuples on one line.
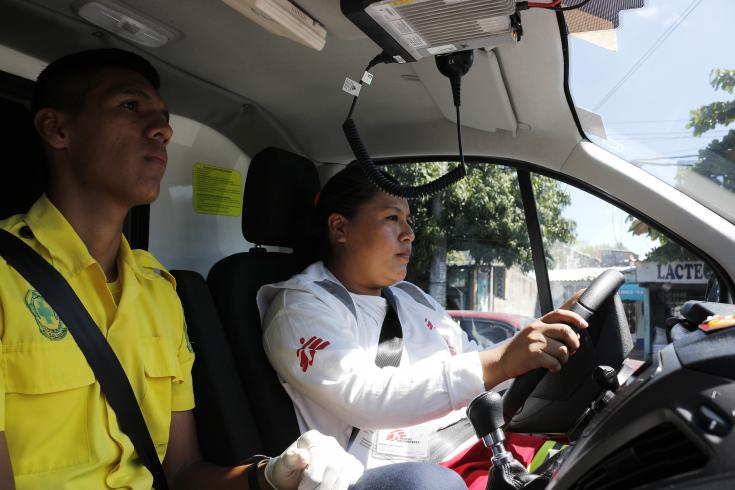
[(22, 168), (279, 198)]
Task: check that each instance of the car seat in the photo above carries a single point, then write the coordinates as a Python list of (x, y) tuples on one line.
[(226, 428), (279, 193), (23, 170)]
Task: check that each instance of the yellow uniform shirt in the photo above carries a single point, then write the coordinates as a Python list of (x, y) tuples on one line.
[(60, 431)]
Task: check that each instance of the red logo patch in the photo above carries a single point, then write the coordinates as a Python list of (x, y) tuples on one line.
[(307, 351), (395, 435), (428, 324)]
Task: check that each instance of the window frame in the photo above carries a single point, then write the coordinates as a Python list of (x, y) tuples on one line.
[(727, 285)]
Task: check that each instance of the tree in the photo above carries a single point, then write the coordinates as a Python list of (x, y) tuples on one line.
[(716, 162), (481, 214), (666, 250)]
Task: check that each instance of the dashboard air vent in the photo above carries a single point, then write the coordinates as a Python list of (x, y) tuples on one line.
[(657, 454)]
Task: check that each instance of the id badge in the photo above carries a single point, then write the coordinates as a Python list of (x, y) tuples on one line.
[(409, 443)]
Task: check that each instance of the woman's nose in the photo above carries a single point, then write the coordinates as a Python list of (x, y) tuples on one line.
[(408, 234)]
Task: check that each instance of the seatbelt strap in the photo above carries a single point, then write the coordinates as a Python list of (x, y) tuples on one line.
[(390, 348), (536, 240), (390, 344), (101, 358)]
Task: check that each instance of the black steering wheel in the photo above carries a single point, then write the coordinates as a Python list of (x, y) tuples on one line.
[(601, 289)]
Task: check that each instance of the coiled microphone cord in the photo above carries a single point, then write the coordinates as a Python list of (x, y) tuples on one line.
[(371, 170)]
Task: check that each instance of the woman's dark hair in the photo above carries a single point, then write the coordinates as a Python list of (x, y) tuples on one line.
[(344, 193)]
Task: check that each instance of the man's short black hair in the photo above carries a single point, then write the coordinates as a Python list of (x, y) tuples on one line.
[(64, 84)]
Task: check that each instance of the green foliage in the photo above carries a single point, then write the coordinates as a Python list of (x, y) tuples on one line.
[(709, 116), (716, 161), (483, 214), (666, 251)]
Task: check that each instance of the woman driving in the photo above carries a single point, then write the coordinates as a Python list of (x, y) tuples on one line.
[(373, 360)]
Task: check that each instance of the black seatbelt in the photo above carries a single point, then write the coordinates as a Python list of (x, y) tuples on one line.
[(100, 356), (390, 344), (536, 240), (390, 348)]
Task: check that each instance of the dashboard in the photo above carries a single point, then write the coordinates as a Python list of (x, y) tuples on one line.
[(669, 424)]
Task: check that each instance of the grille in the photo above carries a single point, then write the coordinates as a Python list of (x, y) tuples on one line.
[(429, 27), (439, 22), (657, 454)]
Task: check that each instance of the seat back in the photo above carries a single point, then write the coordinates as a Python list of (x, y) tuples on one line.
[(225, 424), (279, 192), (24, 172)]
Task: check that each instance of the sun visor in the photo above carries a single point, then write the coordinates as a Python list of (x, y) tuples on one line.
[(490, 109)]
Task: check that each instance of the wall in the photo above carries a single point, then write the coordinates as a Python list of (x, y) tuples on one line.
[(180, 237), (520, 294)]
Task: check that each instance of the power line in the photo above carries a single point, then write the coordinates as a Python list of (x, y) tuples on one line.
[(661, 138), (693, 155), (683, 133), (641, 163), (650, 121), (648, 53), (663, 157)]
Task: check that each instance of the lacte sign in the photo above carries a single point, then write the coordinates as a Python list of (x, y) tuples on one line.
[(672, 272)]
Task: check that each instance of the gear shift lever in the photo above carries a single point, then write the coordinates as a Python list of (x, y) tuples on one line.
[(486, 416)]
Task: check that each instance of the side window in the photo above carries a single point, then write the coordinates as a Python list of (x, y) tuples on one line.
[(660, 275), (472, 252)]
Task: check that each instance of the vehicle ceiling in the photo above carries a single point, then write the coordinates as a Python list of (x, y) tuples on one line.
[(298, 90)]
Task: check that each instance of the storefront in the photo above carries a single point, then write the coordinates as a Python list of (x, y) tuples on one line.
[(669, 285), (636, 301)]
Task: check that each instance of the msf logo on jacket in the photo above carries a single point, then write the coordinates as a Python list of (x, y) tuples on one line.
[(396, 435), (308, 349)]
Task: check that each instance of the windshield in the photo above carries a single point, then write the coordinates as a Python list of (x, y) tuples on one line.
[(662, 83)]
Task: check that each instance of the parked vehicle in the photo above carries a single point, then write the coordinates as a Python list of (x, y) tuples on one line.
[(487, 328)]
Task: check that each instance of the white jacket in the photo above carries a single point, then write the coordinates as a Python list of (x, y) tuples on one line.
[(322, 341)]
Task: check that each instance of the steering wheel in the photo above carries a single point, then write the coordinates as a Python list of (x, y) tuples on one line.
[(601, 289)]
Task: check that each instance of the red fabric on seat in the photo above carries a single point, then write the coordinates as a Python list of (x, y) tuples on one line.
[(473, 464)]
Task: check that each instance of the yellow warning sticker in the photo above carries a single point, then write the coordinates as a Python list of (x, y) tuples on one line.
[(216, 190)]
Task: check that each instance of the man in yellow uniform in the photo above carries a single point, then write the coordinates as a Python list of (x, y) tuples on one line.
[(104, 130)]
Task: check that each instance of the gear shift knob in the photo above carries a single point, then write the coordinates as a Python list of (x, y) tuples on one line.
[(486, 416), (486, 413)]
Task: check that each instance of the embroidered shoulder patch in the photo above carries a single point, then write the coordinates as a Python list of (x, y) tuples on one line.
[(307, 352), (49, 323)]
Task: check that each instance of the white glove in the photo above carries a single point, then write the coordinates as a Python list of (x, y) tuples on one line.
[(313, 460)]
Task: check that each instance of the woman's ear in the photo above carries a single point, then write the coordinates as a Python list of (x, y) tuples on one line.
[(336, 223), (51, 126)]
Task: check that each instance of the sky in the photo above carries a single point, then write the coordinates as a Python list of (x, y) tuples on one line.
[(675, 44)]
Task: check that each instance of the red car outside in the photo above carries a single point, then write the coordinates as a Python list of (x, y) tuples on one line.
[(487, 328)]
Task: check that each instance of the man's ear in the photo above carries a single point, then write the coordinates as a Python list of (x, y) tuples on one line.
[(337, 224), (51, 126)]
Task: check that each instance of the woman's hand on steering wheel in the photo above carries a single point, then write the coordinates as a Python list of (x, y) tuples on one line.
[(544, 343)]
